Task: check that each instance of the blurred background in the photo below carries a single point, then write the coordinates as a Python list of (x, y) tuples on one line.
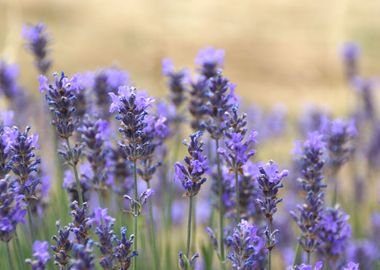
[(283, 51)]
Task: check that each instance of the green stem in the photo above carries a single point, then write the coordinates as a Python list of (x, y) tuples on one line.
[(32, 237), (189, 226), (237, 188), (297, 254), (19, 249), (135, 216), (153, 234), (270, 249), (194, 227), (10, 263), (76, 175), (221, 207), (308, 257)]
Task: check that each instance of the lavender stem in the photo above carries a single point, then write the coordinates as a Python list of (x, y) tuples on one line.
[(135, 213), (76, 175), (189, 226), (10, 263), (153, 233)]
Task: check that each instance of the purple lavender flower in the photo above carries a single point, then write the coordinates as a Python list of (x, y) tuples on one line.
[(104, 230), (350, 54), (338, 136), (270, 181), (121, 170), (237, 151), (177, 82), (309, 213), (63, 246), (69, 182), (365, 89), (94, 135), (210, 61), (197, 103), (8, 80), (24, 162), (12, 211), (220, 102), (192, 174), (334, 233), (131, 108), (83, 257), (122, 250), (40, 255), (37, 41), (245, 246), (60, 96), (365, 252), (105, 82), (81, 224)]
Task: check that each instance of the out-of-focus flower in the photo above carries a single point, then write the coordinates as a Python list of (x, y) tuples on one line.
[(309, 213), (83, 257), (37, 41), (178, 82), (334, 233), (210, 61), (318, 266), (12, 211), (40, 255), (339, 135), (8, 80)]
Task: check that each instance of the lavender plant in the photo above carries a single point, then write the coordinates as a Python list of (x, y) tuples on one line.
[(270, 181), (191, 176)]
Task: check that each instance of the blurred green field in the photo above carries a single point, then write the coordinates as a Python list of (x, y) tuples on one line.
[(284, 51)]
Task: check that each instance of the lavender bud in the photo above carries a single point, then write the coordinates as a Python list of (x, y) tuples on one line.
[(210, 61)]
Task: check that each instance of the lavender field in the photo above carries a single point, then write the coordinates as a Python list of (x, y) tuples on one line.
[(164, 154)]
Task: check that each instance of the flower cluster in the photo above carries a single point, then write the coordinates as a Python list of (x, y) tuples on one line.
[(191, 175)]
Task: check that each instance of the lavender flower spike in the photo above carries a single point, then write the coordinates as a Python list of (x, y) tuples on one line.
[(191, 174), (309, 213), (318, 266), (269, 181), (40, 255), (37, 41), (8, 80), (122, 250), (245, 246)]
